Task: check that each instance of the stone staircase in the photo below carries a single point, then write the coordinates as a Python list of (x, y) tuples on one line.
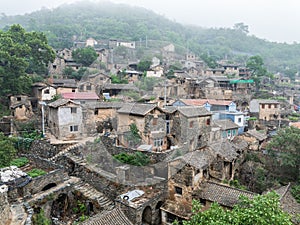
[(91, 193), (66, 150)]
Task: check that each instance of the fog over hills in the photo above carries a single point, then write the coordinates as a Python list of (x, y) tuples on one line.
[(105, 20)]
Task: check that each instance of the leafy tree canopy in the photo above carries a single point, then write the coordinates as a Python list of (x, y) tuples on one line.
[(285, 146), (144, 65), (7, 150), (85, 56), (22, 52), (262, 209)]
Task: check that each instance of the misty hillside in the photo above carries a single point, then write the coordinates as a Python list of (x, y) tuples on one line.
[(80, 21)]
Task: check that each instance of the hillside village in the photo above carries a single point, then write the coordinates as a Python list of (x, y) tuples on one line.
[(195, 124)]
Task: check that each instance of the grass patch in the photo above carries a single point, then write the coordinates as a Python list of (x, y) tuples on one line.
[(36, 173), (19, 162)]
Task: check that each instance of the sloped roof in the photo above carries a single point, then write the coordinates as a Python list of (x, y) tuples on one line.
[(198, 159), (226, 124), (223, 194), (120, 87), (200, 102), (108, 105), (224, 149), (113, 217), (193, 111), (136, 108), (61, 102), (259, 136), (265, 101), (64, 82), (80, 96)]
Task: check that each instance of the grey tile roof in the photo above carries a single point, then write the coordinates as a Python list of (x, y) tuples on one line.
[(136, 108), (120, 87), (198, 159), (60, 102), (113, 217), (193, 111), (108, 105), (226, 124), (259, 136), (223, 194), (224, 149)]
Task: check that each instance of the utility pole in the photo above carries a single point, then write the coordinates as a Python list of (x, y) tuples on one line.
[(43, 117)]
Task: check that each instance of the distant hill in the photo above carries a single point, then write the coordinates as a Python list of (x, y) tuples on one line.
[(82, 20)]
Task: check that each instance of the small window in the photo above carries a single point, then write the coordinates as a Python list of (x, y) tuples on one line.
[(96, 112), (154, 122), (224, 135), (191, 124), (263, 106), (178, 190), (19, 99), (73, 90), (89, 87), (233, 132), (239, 120), (73, 110), (47, 91), (74, 128), (208, 122), (269, 106), (158, 142)]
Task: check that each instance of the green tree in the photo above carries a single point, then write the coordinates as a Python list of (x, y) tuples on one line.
[(241, 27), (7, 150), (256, 66), (85, 56), (22, 52), (285, 146), (144, 65), (262, 210)]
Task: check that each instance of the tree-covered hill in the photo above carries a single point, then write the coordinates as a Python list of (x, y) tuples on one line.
[(80, 21)]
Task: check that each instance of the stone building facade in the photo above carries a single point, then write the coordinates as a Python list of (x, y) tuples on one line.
[(65, 119)]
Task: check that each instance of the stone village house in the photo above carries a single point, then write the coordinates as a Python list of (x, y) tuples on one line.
[(265, 109), (188, 175), (21, 107), (65, 119), (150, 122), (191, 126)]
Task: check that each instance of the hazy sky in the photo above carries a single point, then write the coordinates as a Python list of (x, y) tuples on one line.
[(274, 20)]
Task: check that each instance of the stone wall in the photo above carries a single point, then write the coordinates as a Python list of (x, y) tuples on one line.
[(37, 184), (109, 144), (4, 206), (44, 149), (135, 214)]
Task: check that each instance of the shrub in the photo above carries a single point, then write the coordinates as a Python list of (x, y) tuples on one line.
[(296, 192), (136, 159), (36, 172), (19, 162)]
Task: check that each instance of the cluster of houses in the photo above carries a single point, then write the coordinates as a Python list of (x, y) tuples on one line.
[(201, 110)]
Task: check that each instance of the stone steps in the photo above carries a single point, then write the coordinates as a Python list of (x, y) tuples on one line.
[(91, 193), (66, 150)]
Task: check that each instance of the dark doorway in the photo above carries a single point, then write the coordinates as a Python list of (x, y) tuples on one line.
[(48, 186), (147, 216)]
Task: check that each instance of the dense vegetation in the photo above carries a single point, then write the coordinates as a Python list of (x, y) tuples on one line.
[(115, 21), (136, 159), (262, 209), (22, 53)]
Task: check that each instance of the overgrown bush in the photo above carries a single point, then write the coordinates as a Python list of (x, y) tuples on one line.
[(19, 162), (295, 190), (136, 159), (36, 172)]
